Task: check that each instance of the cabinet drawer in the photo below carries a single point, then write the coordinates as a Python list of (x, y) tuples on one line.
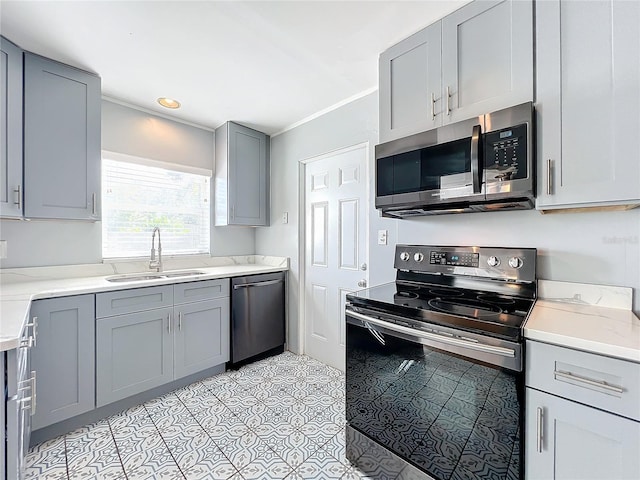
[(198, 291), (602, 382), (120, 302)]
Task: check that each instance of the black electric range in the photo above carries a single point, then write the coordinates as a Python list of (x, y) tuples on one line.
[(435, 364)]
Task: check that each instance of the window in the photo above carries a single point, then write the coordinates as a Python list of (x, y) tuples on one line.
[(136, 197)]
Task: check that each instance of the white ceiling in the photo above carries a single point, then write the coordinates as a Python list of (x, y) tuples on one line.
[(266, 64)]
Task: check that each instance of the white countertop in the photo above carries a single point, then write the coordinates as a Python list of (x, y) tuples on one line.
[(606, 326), (19, 287)]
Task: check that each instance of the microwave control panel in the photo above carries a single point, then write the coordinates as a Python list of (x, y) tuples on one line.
[(506, 153)]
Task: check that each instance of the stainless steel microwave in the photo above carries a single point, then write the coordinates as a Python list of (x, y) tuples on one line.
[(486, 163)]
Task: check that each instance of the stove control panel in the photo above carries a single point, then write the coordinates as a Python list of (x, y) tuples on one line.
[(461, 259), (512, 264)]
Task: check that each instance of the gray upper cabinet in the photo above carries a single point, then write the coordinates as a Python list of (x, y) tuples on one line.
[(64, 358), (588, 73), (410, 85), (487, 58), (242, 176), (11, 130), (444, 74), (61, 141)]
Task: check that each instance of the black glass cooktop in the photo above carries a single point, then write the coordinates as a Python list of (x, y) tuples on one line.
[(494, 314)]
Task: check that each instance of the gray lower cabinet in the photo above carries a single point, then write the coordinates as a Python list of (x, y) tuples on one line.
[(133, 353), (242, 176), (147, 337), (18, 403), (3, 426), (10, 130), (64, 358), (61, 140), (202, 338), (582, 415), (578, 442)]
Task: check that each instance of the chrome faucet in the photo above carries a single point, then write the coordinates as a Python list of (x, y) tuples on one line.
[(153, 263)]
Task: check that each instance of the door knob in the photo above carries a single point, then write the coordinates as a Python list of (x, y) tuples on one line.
[(362, 283)]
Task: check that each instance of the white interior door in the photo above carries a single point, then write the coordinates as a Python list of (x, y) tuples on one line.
[(335, 247)]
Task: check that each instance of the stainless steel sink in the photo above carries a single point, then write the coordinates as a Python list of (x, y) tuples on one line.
[(137, 277), (185, 273)]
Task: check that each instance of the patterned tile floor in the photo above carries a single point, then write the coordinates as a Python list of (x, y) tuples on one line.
[(282, 417)]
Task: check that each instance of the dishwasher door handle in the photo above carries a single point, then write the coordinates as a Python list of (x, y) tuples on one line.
[(257, 284)]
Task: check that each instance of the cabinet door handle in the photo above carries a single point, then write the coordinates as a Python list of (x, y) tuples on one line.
[(34, 401), (448, 97), (31, 341), (94, 207), (18, 192), (180, 321), (539, 433), (433, 106), (587, 381), (27, 342), (549, 176), (29, 402), (169, 323)]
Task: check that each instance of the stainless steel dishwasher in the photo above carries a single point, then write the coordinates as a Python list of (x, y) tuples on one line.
[(257, 316)]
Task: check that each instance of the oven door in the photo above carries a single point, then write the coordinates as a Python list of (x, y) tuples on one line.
[(440, 414)]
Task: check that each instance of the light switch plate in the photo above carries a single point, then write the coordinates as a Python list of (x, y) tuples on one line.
[(382, 237), (3, 249)]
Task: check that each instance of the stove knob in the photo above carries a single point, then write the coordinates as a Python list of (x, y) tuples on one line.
[(493, 261), (418, 257), (404, 256), (515, 262)]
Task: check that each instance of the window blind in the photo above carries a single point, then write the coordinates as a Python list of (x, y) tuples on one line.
[(136, 198)]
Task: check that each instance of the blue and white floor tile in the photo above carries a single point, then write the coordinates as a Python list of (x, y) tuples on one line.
[(282, 417)]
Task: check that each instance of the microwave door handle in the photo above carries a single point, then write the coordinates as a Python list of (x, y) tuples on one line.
[(475, 159)]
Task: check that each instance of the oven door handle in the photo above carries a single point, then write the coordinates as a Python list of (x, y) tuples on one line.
[(481, 347)]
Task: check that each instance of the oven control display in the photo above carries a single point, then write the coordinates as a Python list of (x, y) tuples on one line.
[(458, 259)]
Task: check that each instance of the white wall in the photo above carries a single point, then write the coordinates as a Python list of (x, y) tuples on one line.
[(590, 247), (354, 123), (597, 247), (132, 132), (50, 242)]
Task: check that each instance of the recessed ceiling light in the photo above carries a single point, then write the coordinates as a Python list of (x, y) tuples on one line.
[(168, 102)]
